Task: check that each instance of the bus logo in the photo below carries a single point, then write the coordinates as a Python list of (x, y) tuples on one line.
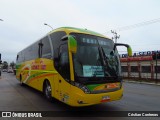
[(6, 114)]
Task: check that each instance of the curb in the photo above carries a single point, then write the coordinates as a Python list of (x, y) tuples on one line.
[(130, 81)]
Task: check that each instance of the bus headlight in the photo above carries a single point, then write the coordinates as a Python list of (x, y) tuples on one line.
[(82, 87), (85, 89)]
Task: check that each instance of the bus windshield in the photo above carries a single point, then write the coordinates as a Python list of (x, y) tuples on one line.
[(95, 57)]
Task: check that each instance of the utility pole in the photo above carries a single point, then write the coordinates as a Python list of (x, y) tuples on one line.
[(115, 36), (0, 65)]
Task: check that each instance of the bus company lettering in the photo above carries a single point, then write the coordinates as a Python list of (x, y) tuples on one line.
[(36, 66)]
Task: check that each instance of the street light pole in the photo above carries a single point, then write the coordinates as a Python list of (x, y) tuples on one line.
[(0, 60), (48, 25)]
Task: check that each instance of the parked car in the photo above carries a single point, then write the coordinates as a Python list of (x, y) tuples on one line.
[(4, 70), (10, 70)]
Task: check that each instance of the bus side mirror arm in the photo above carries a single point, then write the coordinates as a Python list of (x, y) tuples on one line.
[(64, 38), (129, 49)]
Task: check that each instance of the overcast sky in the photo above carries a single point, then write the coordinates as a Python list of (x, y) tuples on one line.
[(24, 21)]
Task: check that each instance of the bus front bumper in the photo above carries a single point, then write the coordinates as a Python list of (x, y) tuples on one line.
[(79, 99)]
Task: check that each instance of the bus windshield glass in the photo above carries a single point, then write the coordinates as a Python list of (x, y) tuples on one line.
[(95, 57)]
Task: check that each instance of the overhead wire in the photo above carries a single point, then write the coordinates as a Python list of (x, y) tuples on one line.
[(138, 25)]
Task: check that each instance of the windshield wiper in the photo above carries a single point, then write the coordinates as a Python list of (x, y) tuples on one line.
[(101, 54), (109, 70)]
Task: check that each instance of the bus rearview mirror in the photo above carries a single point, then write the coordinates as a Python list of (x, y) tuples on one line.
[(129, 50), (72, 44)]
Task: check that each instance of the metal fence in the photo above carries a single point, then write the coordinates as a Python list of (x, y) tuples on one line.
[(144, 70)]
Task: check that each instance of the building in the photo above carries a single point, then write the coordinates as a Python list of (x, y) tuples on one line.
[(141, 66)]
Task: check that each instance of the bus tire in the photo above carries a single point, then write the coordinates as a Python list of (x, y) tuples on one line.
[(47, 90), (21, 83)]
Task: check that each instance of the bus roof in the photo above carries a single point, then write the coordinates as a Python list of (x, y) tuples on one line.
[(69, 30), (77, 30)]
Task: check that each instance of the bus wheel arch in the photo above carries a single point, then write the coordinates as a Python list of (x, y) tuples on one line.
[(47, 89)]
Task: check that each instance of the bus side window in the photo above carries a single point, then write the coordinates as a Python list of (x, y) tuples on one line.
[(17, 57), (40, 47), (63, 65), (46, 50), (56, 41), (63, 59)]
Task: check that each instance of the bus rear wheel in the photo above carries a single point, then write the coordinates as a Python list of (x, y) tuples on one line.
[(21, 83), (48, 91)]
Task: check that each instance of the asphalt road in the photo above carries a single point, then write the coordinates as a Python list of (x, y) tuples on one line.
[(137, 97)]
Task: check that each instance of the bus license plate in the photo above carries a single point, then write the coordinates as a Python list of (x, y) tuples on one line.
[(105, 98)]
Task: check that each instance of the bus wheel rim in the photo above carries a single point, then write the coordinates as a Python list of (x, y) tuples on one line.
[(48, 91)]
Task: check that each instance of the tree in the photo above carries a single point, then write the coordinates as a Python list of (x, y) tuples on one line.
[(12, 64), (5, 65)]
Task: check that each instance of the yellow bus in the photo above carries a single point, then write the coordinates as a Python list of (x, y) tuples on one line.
[(76, 66)]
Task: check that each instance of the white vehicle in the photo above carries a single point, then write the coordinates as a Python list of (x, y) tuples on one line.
[(10, 70), (4, 70)]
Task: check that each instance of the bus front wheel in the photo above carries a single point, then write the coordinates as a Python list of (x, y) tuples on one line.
[(48, 90)]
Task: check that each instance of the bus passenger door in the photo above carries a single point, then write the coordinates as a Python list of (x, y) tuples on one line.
[(64, 70)]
